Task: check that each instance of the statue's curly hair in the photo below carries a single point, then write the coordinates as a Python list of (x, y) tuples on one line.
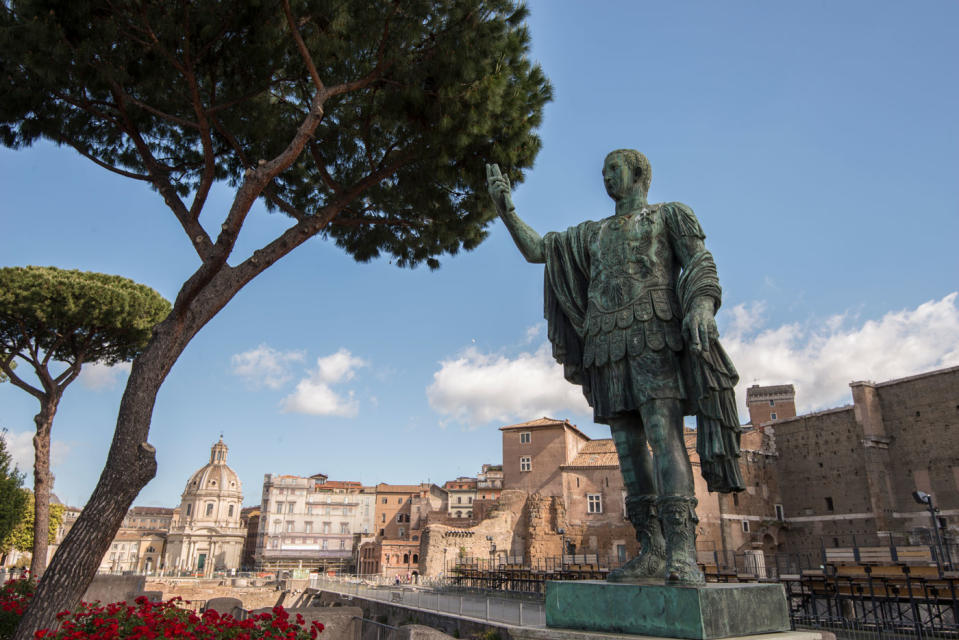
[(637, 162)]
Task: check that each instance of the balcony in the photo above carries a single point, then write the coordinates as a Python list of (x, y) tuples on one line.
[(268, 554)]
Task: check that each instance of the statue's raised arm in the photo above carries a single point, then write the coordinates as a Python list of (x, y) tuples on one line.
[(527, 240)]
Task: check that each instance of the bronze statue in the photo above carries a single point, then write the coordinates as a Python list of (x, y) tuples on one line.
[(630, 302)]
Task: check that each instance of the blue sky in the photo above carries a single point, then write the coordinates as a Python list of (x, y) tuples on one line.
[(817, 142)]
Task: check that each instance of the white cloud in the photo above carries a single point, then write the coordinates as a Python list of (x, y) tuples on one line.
[(20, 446), (314, 395), (822, 360), (476, 388), (265, 366), (101, 377), (534, 332), (339, 367)]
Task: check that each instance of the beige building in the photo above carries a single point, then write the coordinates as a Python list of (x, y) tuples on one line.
[(310, 522), (462, 494), (205, 531)]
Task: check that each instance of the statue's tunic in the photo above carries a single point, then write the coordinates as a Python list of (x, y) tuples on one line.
[(616, 291)]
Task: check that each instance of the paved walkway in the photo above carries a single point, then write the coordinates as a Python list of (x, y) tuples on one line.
[(478, 607)]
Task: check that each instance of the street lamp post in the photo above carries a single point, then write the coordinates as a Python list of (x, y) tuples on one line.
[(562, 548), (942, 552)]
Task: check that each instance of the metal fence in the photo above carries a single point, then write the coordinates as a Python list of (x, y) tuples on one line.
[(891, 606), (479, 606)]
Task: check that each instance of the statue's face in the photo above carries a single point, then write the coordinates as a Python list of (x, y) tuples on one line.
[(617, 176)]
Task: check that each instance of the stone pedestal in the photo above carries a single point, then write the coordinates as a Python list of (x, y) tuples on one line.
[(703, 612)]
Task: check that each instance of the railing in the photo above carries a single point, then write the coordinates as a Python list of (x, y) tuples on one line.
[(487, 608), (901, 606)]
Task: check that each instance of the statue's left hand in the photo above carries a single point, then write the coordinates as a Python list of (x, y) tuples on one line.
[(699, 326)]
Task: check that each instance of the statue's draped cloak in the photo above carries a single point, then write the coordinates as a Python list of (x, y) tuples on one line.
[(709, 378)]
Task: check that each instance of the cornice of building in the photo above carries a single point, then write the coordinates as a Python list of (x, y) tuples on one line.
[(918, 376), (544, 423)]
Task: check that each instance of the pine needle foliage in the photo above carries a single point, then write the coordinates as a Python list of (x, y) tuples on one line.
[(194, 90)]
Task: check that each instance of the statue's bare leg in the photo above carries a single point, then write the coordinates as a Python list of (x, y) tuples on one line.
[(676, 506), (639, 477)]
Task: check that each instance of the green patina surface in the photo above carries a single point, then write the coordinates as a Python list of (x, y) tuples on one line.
[(702, 612)]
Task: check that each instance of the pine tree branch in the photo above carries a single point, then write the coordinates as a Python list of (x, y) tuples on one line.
[(321, 167), (306, 229), (294, 212), (108, 167), (17, 381), (206, 140), (183, 122), (301, 46), (159, 175), (257, 179)]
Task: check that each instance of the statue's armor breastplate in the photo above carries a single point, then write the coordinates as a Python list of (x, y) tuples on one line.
[(632, 301)]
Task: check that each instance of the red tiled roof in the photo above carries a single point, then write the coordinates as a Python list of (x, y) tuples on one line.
[(397, 488), (596, 453)]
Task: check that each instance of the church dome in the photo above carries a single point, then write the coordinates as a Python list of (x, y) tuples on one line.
[(215, 478), (213, 494)]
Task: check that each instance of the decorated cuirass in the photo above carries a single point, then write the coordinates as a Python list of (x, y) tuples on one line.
[(632, 303)]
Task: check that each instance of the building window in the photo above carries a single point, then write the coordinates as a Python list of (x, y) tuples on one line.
[(780, 514), (308, 527), (735, 499), (189, 509), (459, 499), (384, 500), (402, 532), (772, 403), (289, 526), (829, 505), (289, 507), (324, 545), (209, 508), (469, 514), (279, 507), (382, 532), (326, 527), (525, 463), (399, 500), (594, 503), (459, 514), (745, 526), (621, 552), (277, 526), (384, 517), (230, 512), (525, 437), (471, 499), (772, 416), (342, 545), (344, 527)]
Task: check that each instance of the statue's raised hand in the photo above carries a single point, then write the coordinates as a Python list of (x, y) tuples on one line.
[(499, 188)]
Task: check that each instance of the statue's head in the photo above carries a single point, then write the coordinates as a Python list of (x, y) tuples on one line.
[(624, 171)]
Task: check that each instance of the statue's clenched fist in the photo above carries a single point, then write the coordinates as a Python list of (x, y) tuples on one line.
[(499, 188)]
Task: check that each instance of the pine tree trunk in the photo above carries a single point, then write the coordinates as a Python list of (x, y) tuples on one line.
[(42, 483), (131, 463)]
